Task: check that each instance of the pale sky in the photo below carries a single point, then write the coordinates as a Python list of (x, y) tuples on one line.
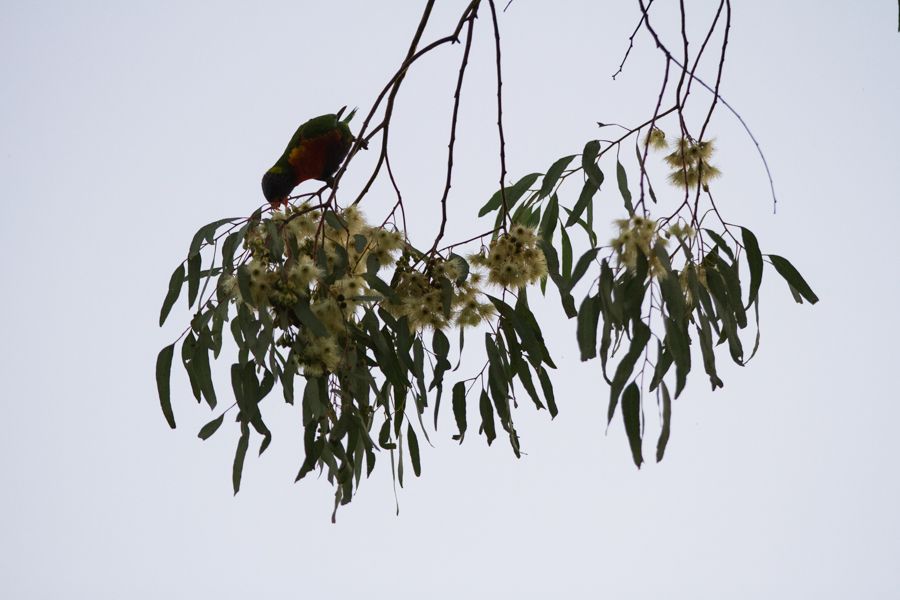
[(125, 126)]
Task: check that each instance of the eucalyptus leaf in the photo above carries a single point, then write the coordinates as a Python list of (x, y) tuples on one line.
[(549, 221), (513, 193), (163, 372), (553, 175), (205, 235), (622, 180), (586, 197), (487, 417), (754, 260), (640, 337), (666, 422), (589, 163), (176, 281), (210, 428), (459, 408), (631, 415), (193, 278), (240, 453), (793, 277), (413, 443), (586, 332)]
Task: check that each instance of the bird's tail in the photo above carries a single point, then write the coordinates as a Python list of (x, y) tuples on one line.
[(349, 117)]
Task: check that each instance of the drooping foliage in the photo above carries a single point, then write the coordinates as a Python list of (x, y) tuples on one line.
[(354, 323)]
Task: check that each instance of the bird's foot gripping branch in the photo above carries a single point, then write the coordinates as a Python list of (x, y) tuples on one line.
[(312, 293)]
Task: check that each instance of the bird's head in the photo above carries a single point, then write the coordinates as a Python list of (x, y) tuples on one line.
[(277, 185)]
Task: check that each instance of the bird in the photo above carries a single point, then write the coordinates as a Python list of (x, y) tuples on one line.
[(315, 151)]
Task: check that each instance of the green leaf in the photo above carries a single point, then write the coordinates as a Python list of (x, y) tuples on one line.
[(308, 318), (585, 198), (360, 242), (631, 415), (187, 355), (175, 283), (566, 271), (592, 235), (678, 344), (201, 370), (400, 395), (384, 435), (243, 278), (527, 326), (193, 278), (640, 337), (588, 318), (523, 213), (719, 292), (230, 246), (553, 175), (582, 265), (206, 234), (669, 285), (414, 450), (313, 449), (622, 179), (720, 243), (163, 371), (547, 388), (706, 347), (551, 216), (441, 347), (459, 409), (589, 163), (210, 428), (568, 301), (498, 380), (524, 375), (733, 285), (446, 296), (334, 220), (666, 422), (663, 364), (520, 321), (513, 194), (793, 277), (377, 284), (487, 417), (275, 241), (754, 260), (239, 454)]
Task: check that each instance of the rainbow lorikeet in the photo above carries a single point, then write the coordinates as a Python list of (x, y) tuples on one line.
[(316, 150)]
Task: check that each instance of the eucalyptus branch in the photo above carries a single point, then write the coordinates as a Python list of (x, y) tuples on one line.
[(500, 115), (456, 98)]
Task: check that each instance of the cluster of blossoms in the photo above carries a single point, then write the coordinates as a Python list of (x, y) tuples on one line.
[(300, 259), (637, 237), (297, 256), (656, 139), (513, 259), (440, 295), (690, 163)]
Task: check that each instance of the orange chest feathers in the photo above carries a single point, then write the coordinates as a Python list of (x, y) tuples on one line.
[(311, 158)]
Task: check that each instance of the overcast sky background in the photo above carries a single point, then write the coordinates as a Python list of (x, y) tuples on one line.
[(124, 126)]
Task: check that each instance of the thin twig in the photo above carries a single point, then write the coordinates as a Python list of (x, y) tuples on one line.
[(631, 41), (500, 115), (452, 143)]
